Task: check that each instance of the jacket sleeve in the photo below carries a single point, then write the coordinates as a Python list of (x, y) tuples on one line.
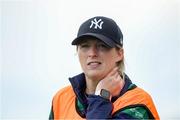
[(101, 108)]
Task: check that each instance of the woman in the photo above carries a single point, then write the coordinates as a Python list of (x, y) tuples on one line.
[(103, 90)]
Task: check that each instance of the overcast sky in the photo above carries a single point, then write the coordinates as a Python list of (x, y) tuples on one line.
[(37, 57)]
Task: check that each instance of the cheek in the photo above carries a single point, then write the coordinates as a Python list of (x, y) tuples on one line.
[(110, 62), (111, 59), (82, 59)]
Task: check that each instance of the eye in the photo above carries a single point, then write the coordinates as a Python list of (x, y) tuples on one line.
[(103, 46), (84, 45)]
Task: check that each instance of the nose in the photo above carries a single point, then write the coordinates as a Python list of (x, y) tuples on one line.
[(93, 52)]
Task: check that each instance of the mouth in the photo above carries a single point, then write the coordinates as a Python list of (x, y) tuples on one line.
[(94, 63)]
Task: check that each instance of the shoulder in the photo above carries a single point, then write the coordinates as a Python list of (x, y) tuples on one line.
[(63, 99), (138, 96), (133, 97), (141, 94), (65, 89), (135, 103), (64, 92), (136, 93)]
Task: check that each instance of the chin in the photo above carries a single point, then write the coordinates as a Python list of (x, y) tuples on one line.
[(94, 75)]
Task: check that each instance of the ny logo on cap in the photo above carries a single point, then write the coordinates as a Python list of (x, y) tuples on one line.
[(96, 24)]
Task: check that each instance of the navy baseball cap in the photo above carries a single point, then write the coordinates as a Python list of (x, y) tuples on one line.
[(102, 28)]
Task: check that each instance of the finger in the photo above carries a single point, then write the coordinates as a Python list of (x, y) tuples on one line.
[(119, 77), (116, 75), (113, 71)]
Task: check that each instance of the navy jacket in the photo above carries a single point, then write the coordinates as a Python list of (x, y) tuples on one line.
[(96, 107)]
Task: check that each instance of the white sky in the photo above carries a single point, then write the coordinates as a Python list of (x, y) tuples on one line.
[(37, 57)]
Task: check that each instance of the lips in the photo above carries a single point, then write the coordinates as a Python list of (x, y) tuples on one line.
[(93, 64)]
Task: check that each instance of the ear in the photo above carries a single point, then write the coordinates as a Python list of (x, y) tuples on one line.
[(120, 54)]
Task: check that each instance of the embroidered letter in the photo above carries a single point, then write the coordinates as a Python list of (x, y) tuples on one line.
[(96, 24)]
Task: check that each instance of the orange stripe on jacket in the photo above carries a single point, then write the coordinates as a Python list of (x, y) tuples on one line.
[(64, 103), (133, 97)]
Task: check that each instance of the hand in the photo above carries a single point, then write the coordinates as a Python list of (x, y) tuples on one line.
[(112, 82)]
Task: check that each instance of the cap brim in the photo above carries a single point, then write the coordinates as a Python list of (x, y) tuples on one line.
[(103, 38)]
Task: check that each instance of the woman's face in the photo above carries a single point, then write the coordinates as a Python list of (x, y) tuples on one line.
[(97, 59)]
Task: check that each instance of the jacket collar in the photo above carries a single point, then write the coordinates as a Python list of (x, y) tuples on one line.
[(78, 83)]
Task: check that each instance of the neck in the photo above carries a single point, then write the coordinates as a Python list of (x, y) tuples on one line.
[(91, 85)]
